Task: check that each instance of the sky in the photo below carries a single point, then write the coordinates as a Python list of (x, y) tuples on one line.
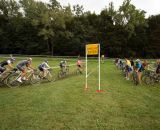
[(152, 7)]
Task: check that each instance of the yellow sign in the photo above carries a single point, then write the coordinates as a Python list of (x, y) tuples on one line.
[(92, 49)]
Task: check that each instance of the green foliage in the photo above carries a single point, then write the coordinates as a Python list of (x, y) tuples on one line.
[(130, 17), (56, 30)]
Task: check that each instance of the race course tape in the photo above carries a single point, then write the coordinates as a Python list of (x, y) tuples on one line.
[(59, 66)]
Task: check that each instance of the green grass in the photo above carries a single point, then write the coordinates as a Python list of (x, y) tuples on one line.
[(64, 105)]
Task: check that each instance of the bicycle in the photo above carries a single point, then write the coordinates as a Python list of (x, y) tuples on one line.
[(32, 78), (4, 77), (152, 78), (80, 70), (124, 71), (49, 76), (135, 77), (64, 71), (145, 73)]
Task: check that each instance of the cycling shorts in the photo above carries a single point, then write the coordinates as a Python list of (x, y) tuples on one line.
[(40, 68), (129, 69), (79, 66), (21, 68)]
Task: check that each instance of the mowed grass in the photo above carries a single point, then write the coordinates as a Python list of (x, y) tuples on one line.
[(64, 105)]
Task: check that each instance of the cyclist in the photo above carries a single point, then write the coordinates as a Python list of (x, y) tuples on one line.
[(102, 59), (79, 65), (6, 65), (120, 63), (63, 65), (145, 65), (128, 68), (139, 69), (43, 67), (23, 66)]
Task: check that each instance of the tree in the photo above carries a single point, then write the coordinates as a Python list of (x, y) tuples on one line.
[(154, 36), (129, 17)]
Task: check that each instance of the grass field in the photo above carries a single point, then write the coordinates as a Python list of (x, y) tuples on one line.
[(64, 105)]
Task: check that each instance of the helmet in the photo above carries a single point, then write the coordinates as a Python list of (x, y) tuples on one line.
[(29, 59), (138, 60), (12, 59)]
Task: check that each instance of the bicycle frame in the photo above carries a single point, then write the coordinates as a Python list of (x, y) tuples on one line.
[(63, 72), (48, 77), (28, 76)]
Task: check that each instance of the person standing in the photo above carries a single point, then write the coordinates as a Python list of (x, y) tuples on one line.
[(102, 59), (128, 68), (139, 69)]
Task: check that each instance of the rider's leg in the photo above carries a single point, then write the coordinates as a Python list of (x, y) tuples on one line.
[(80, 69), (44, 72), (126, 71), (23, 75), (139, 77), (63, 69), (130, 73), (41, 72)]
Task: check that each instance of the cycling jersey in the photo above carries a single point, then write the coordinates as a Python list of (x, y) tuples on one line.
[(79, 63), (128, 66), (139, 66), (43, 66), (4, 63), (128, 63), (63, 64), (23, 63)]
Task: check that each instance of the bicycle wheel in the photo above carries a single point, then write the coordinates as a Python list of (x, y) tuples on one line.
[(1, 84), (60, 74), (149, 80), (67, 71), (49, 77), (78, 71), (53, 77), (143, 78), (35, 79), (12, 82)]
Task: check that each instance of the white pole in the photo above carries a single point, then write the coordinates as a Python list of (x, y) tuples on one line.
[(86, 68), (99, 74)]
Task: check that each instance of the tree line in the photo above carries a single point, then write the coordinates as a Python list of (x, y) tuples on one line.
[(35, 27)]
